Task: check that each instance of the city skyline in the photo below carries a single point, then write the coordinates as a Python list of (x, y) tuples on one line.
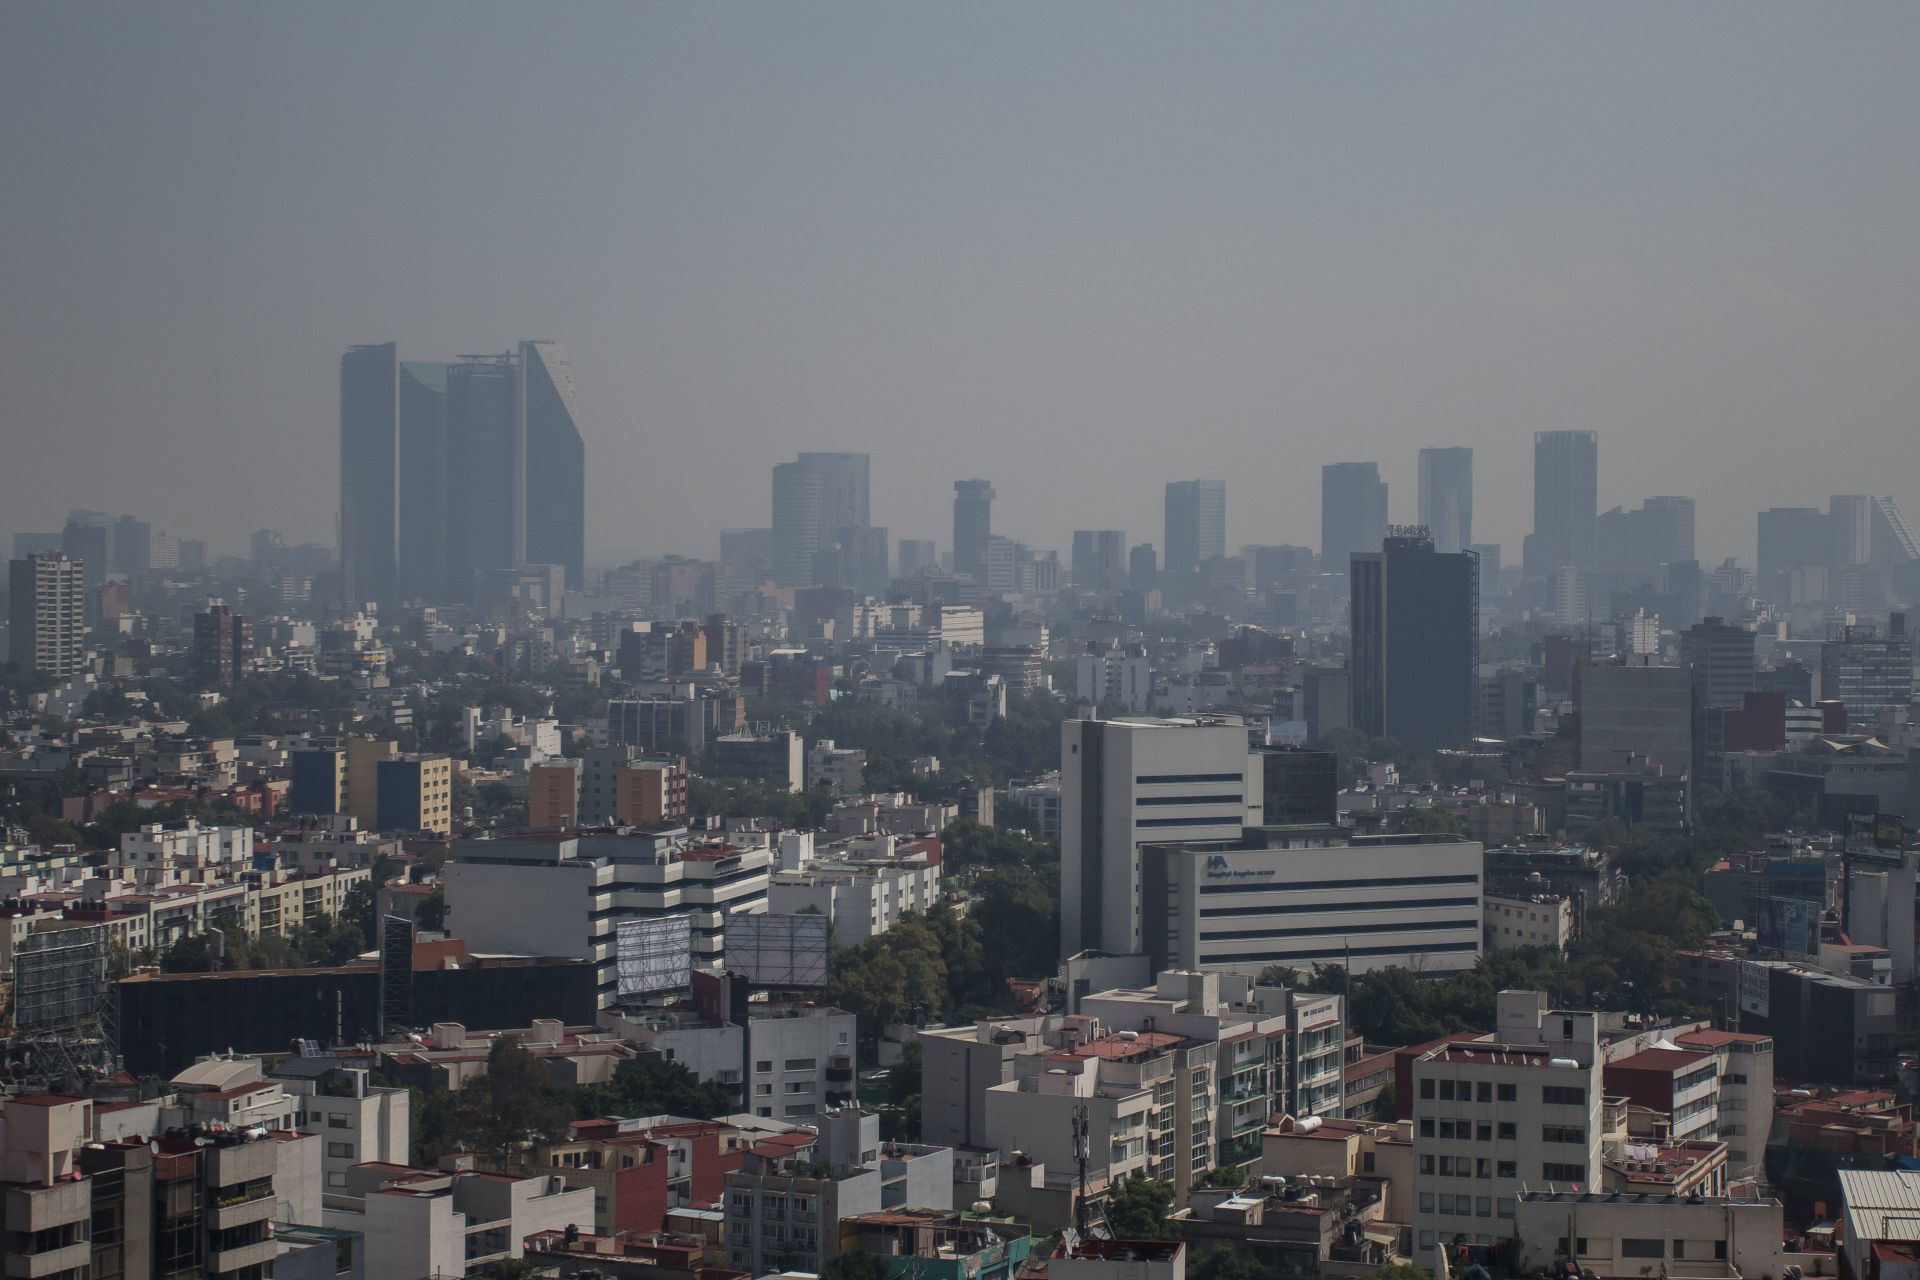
[(735, 283)]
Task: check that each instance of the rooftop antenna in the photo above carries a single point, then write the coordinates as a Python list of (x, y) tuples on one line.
[(1080, 1153)]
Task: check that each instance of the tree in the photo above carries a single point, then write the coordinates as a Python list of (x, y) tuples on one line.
[(1426, 820), (651, 1086), (515, 1103), (1137, 1208), (855, 1264), (1223, 1175), (432, 913), (1226, 1262)]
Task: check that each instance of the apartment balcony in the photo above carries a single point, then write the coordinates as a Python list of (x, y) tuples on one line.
[(258, 1254), (50, 1262), (255, 1206)]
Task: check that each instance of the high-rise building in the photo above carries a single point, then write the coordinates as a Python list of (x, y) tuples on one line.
[(1642, 542), (972, 527), (1566, 502), (1416, 643), (1143, 566), (1099, 559), (1868, 672), (422, 525), (452, 471), (1196, 523), (1353, 511), (132, 545), (814, 495), (1633, 715), (1720, 656), (1446, 498), (855, 558), (1792, 538), (47, 613), (917, 556), (370, 472), (556, 468), (88, 539), (222, 643), (1129, 782)]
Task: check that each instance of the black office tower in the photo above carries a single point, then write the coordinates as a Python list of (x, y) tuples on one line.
[(1416, 642)]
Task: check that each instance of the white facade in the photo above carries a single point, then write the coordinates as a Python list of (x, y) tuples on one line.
[(801, 1063), (1628, 1237), (190, 847), (356, 1122), (1492, 1118), (1543, 921), (1127, 782), (564, 895), (1301, 898), (1116, 677), (423, 1223), (860, 900), (841, 770)]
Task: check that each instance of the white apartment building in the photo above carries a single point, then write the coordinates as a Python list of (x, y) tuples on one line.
[(791, 1061), (1117, 677), (860, 899), (1544, 920), (359, 1122), (1494, 1118), (190, 849), (1306, 896), (1125, 783), (1628, 1237), (1126, 1084), (450, 1222), (564, 893), (1745, 1063), (841, 770)]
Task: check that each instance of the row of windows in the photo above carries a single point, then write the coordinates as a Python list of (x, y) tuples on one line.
[(1152, 779), (1365, 882), (1468, 1130), (1330, 908), (1467, 1206), (1553, 1095), (1264, 957), (1337, 930), (1165, 800), (1193, 820), (1481, 1167)]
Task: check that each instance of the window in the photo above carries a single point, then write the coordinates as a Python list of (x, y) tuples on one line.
[(1483, 1207), (765, 1064), (1426, 1088), (1732, 1078), (762, 1090), (1508, 1092), (1426, 1164), (1426, 1126), (1509, 1132), (1505, 1206), (338, 1122), (1506, 1169), (1446, 1090), (1426, 1239), (337, 1179), (1719, 1250), (1636, 1248), (1558, 1095), (339, 1151), (1483, 1168), (1562, 1133), (1483, 1091), (1426, 1201), (1485, 1133), (801, 1064), (1553, 1172), (1446, 1204), (1679, 1249)]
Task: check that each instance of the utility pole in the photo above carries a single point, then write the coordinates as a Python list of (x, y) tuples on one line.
[(1081, 1147)]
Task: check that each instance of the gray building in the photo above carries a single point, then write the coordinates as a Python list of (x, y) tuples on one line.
[(1446, 498), (1633, 715), (1196, 523), (1416, 643), (972, 527), (1353, 511), (1099, 559), (1869, 672), (1720, 656), (814, 495), (1566, 502)]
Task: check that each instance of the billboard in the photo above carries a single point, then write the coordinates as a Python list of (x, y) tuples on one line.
[(778, 951), (653, 955), (1754, 988), (58, 977), (1790, 926)]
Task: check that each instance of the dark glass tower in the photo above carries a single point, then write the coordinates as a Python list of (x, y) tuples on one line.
[(1416, 643)]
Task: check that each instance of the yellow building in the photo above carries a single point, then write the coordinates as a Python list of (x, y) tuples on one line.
[(364, 756)]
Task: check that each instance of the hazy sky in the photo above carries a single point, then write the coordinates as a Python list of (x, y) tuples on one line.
[(1079, 249)]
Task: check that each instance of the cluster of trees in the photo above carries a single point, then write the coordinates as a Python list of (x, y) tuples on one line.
[(328, 940), (516, 1105), (1023, 743), (951, 965)]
